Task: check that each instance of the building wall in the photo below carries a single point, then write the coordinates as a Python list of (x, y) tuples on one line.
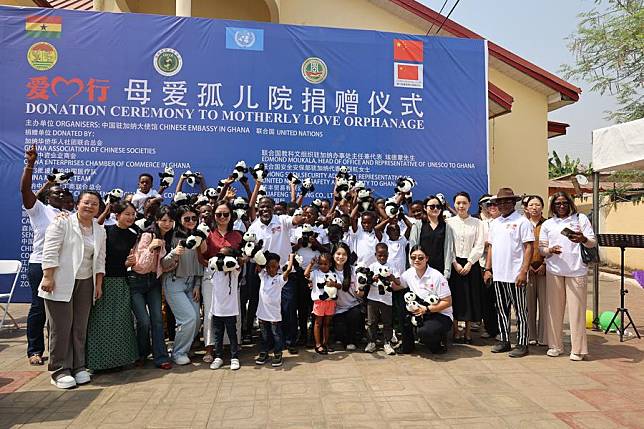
[(248, 10), (623, 218), (518, 141), (26, 3)]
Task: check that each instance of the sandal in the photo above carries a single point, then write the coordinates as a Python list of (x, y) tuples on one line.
[(36, 360), (320, 350), (207, 358)]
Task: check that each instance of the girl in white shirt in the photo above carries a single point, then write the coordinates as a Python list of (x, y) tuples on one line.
[(323, 309)]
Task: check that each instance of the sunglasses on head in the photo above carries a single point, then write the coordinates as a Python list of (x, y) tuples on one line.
[(433, 206), (190, 219), (222, 214)]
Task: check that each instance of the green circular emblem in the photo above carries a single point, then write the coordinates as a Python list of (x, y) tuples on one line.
[(42, 56), (314, 70), (167, 62)]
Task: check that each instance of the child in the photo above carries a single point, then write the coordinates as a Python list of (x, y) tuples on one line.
[(145, 192), (365, 236), (322, 309), (224, 312), (379, 305), (269, 308)]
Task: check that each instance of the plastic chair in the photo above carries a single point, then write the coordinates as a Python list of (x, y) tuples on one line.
[(9, 267)]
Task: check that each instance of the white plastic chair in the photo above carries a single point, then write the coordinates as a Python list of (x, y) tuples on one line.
[(9, 267)]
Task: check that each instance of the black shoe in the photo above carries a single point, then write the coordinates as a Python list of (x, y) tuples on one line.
[(501, 347), (277, 360), (519, 351), (262, 358), (292, 350), (247, 339)]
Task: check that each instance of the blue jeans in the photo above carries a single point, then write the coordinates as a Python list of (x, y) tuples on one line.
[(271, 337), (178, 293), (228, 323), (289, 311), (36, 318), (145, 294)]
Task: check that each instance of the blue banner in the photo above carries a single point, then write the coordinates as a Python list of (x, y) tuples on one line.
[(109, 96)]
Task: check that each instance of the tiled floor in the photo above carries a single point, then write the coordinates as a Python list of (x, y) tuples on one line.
[(468, 387)]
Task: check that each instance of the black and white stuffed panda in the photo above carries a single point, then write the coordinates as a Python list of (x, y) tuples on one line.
[(261, 192), (259, 172), (341, 188), (307, 186), (114, 196), (239, 171), (239, 207), (211, 193), (412, 304), (297, 262), (58, 177), (365, 201), (167, 177), (180, 198), (404, 185), (328, 292), (198, 235), (143, 223), (392, 208), (307, 232), (201, 200), (223, 263), (383, 283), (364, 278), (338, 221), (317, 203), (343, 171), (253, 248), (293, 179)]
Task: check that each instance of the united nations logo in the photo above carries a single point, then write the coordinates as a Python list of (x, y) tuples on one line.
[(167, 62), (244, 38), (42, 56), (314, 70)]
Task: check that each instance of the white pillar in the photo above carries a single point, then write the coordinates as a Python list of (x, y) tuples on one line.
[(183, 7), (98, 5)]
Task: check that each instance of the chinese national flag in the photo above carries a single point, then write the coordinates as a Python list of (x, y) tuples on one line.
[(408, 71), (408, 50)]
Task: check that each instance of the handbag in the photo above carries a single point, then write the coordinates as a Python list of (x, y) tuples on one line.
[(588, 254)]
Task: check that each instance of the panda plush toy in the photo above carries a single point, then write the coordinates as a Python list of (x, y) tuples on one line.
[(343, 171), (307, 186), (114, 196), (58, 177), (364, 278), (191, 178), (259, 172), (297, 262), (404, 185), (307, 233), (392, 208), (383, 283), (239, 207), (211, 193), (328, 292), (167, 177), (365, 202), (317, 203), (293, 179), (201, 200), (341, 188), (412, 304), (195, 239), (239, 171), (253, 248), (223, 263), (180, 198)]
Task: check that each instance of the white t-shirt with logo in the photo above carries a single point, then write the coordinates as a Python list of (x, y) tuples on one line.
[(307, 253), (397, 253), (225, 293), (40, 216), (269, 308), (139, 198), (373, 290), (507, 236), (432, 282), (568, 263), (365, 246), (276, 235)]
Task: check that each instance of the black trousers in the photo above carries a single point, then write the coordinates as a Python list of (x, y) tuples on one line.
[(435, 327), (304, 304), (347, 325), (490, 311), (249, 296)]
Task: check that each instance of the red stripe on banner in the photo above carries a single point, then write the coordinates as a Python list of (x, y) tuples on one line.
[(45, 19)]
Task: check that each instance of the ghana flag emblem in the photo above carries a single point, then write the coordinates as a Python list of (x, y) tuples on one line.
[(44, 26)]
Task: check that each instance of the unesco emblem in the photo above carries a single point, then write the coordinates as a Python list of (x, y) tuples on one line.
[(314, 70), (245, 38), (167, 62), (42, 56)]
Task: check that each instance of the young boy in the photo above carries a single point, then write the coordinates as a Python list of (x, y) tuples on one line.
[(224, 312), (145, 192), (365, 236), (269, 308), (379, 306)]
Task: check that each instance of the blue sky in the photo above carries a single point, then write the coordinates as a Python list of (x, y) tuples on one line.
[(536, 30)]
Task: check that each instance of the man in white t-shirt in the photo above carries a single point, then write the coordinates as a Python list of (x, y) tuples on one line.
[(40, 216), (509, 254)]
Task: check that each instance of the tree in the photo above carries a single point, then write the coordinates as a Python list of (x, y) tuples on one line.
[(557, 167), (609, 54)]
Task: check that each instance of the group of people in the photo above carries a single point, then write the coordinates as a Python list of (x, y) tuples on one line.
[(115, 278)]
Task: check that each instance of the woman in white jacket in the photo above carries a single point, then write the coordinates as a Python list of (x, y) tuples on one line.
[(73, 268)]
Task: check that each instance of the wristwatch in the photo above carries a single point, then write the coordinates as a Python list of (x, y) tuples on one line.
[(487, 269)]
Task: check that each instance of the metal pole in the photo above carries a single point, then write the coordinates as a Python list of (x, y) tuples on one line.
[(596, 266)]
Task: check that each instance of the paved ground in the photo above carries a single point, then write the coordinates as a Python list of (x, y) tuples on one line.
[(467, 387)]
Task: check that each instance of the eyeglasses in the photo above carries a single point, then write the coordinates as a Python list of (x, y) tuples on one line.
[(491, 204), (222, 214), (561, 203), (190, 219), (433, 206), (508, 201), (417, 258)]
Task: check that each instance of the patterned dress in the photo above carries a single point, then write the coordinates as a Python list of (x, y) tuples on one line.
[(111, 341)]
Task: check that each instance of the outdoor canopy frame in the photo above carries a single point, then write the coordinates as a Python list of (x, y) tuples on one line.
[(618, 147)]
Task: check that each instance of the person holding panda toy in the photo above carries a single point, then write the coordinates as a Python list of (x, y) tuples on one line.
[(428, 284)]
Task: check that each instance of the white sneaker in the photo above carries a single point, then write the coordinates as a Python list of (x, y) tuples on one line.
[(217, 363), (82, 377), (234, 364), (553, 352), (394, 338), (371, 347), (351, 347), (389, 350), (576, 357), (182, 360), (64, 382)]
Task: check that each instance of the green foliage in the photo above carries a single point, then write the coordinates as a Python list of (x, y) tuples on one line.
[(609, 54), (557, 167)]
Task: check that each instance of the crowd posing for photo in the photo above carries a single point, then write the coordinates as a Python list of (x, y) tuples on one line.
[(121, 279)]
